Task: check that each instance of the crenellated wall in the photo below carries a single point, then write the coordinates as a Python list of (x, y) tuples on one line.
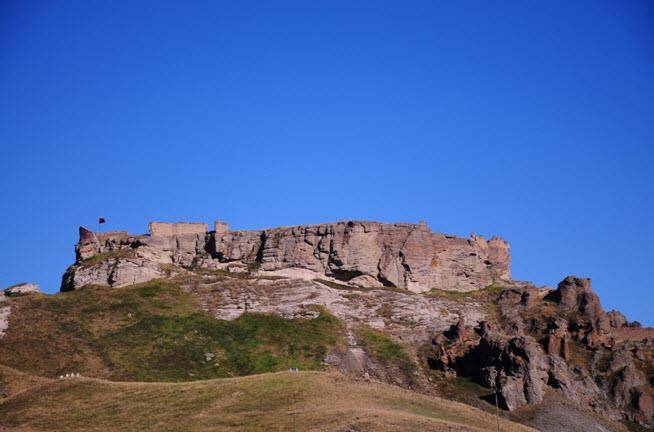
[(362, 253)]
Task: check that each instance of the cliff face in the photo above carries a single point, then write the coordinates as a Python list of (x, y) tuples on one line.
[(371, 254), (555, 341)]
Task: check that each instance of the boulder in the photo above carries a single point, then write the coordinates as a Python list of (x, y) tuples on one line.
[(22, 289)]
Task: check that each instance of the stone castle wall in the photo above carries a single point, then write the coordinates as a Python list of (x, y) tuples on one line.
[(371, 254), (167, 229)]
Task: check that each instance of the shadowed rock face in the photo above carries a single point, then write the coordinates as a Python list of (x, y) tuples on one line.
[(370, 254), (558, 340)]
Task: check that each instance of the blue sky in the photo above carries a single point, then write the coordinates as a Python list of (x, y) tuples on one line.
[(529, 120)]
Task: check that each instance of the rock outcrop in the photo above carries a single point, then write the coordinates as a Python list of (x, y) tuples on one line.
[(558, 340), (5, 310), (21, 289), (372, 254), (519, 367)]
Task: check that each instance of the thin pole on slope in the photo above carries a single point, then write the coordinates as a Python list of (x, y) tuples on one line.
[(294, 411), (497, 409)]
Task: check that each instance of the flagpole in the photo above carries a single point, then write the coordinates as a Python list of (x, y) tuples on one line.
[(101, 220)]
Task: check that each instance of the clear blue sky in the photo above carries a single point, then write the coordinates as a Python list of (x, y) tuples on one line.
[(530, 120)]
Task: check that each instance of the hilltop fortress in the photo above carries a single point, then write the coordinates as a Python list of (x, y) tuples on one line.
[(533, 346), (370, 254)]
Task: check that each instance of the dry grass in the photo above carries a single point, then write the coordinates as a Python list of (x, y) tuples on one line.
[(13, 381), (490, 293), (305, 401)]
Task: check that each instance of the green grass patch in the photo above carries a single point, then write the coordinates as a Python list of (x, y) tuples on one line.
[(173, 348), (104, 256), (488, 293), (156, 332), (386, 351)]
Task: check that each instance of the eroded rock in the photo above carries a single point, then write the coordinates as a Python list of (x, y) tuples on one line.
[(369, 254), (531, 350), (22, 289)]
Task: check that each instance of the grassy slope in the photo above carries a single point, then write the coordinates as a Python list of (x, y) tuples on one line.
[(155, 332), (13, 381), (314, 401), (387, 352)]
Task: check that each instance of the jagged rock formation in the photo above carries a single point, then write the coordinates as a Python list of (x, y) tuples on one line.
[(371, 254), (555, 340)]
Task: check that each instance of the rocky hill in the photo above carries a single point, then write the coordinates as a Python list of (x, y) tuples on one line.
[(389, 303)]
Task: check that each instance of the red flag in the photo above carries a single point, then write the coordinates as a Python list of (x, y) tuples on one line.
[(101, 220)]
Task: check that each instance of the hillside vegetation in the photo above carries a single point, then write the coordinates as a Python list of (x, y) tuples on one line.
[(303, 401), (156, 332)]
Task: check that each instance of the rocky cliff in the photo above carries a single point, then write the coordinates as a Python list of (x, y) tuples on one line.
[(555, 341), (371, 254)]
